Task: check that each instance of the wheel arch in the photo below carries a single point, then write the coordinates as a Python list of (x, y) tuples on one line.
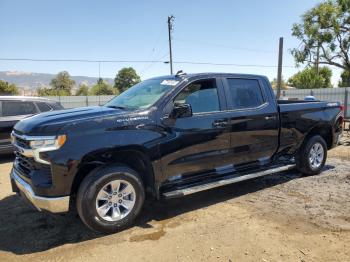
[(135, 157), (325, 131)]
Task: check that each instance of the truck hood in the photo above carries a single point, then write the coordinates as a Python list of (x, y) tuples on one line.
[(50, 123)]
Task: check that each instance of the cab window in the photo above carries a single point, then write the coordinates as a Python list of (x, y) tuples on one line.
[(16, 108), (201, 95), (43, 107), (245, 93)]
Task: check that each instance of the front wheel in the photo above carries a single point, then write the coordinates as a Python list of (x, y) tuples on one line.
[(110, 198), (312, 156)]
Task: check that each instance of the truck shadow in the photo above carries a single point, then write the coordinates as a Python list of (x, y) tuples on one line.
[(23, 230)]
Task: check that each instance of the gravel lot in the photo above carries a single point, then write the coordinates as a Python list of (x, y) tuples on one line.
[(283, 217)]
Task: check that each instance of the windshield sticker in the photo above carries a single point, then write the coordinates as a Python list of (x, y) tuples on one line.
[(169, 82)]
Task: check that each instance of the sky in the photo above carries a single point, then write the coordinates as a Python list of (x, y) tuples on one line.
[(235, 32)]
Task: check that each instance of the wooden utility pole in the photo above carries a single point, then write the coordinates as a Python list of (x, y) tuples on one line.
[(170, 29), (279, 71)]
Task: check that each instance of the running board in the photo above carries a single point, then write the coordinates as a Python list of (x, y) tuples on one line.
[(199, 188)]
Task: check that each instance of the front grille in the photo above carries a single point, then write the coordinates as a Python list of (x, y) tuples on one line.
[(25, 164), (22, 142), (35, 173)]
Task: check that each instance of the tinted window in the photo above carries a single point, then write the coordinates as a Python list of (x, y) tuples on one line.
[(15, 108), (43, 107), (245, 93), (201, 95)]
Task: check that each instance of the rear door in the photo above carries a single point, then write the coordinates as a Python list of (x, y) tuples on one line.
[(253, 121)]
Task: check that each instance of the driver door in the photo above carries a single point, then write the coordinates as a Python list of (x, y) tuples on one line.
[(199, 143)]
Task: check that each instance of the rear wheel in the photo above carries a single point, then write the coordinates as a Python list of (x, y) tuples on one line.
[(110, 198), (312, 156)]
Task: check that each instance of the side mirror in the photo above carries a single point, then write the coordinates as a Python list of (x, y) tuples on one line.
[(181, 110)]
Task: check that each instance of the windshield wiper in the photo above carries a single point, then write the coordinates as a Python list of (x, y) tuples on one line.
[(118, 107)]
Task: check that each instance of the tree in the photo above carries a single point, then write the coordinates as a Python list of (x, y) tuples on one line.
[(325, 35), (8, 89), (126, 78), (343, 82), (83, 90), (62, 83), (48, 91), (102, 88), (310, 78), (274, 83)]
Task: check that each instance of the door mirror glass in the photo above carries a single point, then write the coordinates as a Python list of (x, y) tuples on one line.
[(181, 110)]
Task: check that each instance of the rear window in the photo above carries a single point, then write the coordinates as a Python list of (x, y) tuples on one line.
[(16, 108), (43, 107), (245, 93)]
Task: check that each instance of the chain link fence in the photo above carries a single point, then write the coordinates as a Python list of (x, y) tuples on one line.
[(80, 101), (325, 94)]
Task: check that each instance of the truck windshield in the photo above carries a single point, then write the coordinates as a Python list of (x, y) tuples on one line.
[(143, 95)]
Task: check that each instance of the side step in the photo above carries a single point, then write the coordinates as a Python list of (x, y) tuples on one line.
[(199, 188)]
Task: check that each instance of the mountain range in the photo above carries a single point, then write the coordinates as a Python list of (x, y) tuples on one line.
[(31, 81)]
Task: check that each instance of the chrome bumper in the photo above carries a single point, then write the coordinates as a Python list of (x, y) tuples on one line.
[(51, 204)]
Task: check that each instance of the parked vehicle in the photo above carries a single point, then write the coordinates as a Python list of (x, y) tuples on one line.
[(167, 137), (15, 108)]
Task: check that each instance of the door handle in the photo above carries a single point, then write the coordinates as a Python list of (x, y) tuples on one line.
[(270, 117), (220, 123)]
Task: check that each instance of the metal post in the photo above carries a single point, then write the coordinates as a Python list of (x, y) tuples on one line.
[(99, 78), (279, 71), (170, 28), (346, 99)]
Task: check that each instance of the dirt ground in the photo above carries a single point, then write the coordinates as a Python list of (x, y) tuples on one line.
[(282, 217)]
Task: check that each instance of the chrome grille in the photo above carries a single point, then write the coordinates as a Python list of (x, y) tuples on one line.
[(25, 164), (21, 142)]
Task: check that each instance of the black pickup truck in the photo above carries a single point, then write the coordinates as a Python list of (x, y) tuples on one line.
[(166, 137)]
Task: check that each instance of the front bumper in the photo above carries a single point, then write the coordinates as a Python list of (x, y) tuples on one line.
[(51, 204)]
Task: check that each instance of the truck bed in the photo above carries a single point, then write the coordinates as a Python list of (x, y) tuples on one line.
[(299, 117)]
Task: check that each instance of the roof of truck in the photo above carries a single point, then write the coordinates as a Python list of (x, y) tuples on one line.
[(209, 74)]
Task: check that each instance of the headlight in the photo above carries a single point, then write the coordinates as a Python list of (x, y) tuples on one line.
[(48, 144), (38, 144)]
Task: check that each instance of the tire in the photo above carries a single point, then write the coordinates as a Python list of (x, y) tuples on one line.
[(304, 162), (100, 191)]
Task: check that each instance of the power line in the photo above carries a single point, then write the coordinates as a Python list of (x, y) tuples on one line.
[(152, 64), (226, 64), (155, 50), (138, 61), (79, 60), (226, 46)]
